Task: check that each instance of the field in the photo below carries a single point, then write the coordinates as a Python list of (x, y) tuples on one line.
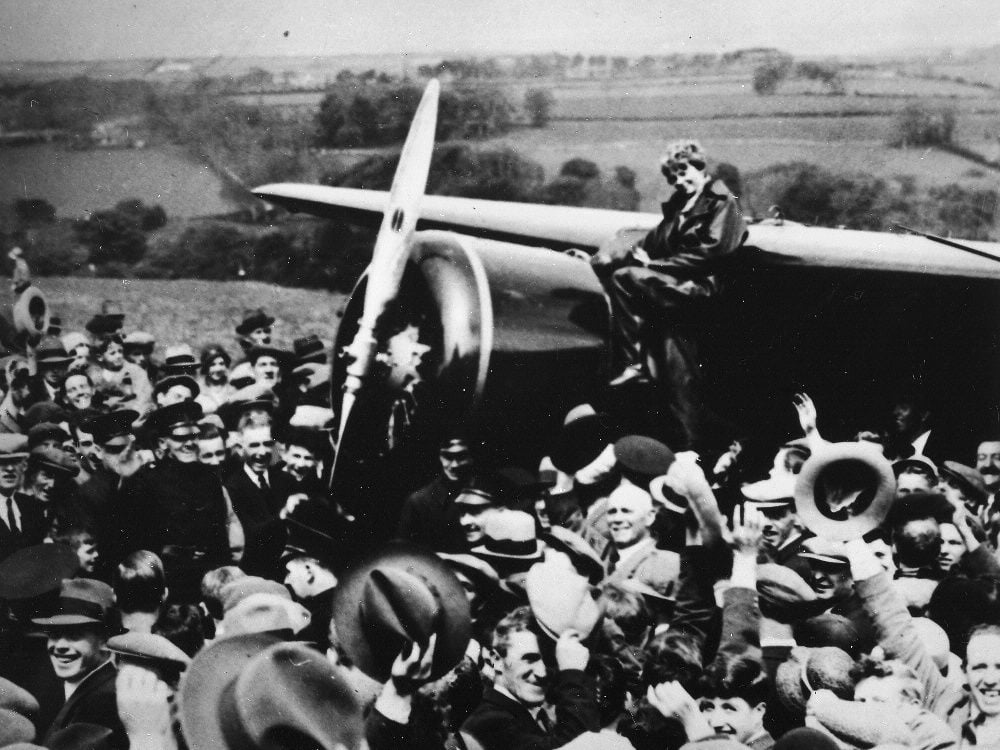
[(196, 312), (77, 182)]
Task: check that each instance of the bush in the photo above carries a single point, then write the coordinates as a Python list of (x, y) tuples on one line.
[(964, 212), (147, 218), (34, 211), (582, 169), (767, 76), (921, 125), (538, 104), (53, 250), (112, 236)]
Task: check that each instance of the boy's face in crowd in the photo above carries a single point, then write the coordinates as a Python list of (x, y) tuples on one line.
[(299, 461), (909, 482), (982, 668), (887, 690), (87, 554), (988, 463), (522, 672), (733, 717), (76, 651), (113, 357)]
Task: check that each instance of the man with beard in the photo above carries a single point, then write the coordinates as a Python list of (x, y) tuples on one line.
[(430, 517), (77, 644), (22, 523), (176, 507), (214, 380)]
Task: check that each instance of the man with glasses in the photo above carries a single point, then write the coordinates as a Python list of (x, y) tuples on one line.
[(676, 263), (176, 507)]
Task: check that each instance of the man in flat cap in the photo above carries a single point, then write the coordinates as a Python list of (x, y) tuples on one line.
[(176, 508), (676, 263), (77, 644)]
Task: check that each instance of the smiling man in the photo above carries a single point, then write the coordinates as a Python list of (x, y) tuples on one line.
[(176, 507), (632, 553), (513, 714), (77, 637)]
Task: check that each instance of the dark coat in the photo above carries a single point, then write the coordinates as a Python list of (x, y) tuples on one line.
[(255, 506), (174, 504), (501, 723), (93, 702), (692, 246), (430, 518), (34, 526)]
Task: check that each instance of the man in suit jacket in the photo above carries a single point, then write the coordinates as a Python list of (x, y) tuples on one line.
[(77, 644), (22, 522), (632, 553), (513, 714)]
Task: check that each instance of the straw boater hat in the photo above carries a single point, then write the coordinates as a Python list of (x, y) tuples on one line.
[(401, 594), (509, 542), (854, 474)]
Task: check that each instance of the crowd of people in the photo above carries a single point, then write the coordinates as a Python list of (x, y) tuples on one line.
[(176, 572)]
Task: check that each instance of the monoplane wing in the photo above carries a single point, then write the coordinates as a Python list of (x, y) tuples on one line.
[(561, 227)]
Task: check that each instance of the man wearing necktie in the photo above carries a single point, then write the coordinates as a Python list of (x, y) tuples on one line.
[(21, 520)]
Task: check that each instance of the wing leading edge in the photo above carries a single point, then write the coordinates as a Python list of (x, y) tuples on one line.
[(560, 227)]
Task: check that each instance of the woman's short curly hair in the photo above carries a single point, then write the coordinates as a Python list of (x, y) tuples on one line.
[(687, 151)]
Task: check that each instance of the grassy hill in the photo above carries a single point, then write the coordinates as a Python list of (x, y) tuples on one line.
[(192, 311)]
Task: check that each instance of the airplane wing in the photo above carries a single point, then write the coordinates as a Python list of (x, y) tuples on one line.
[(561, 227)]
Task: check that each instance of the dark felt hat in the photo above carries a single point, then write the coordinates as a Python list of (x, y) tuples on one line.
[(166, 383), (149, 648), (252, 320), (114, 424), (256, 352), (583, 557), (309, 349), (165, 418), (580, 442), (481, 573), (43, 431), (102, 325), (13, 446), (806, 738), (641, 459), (36, 570), (920, 505), (54, 459), (969, 480), (82, 601), (50, 351), (43, 411), (246, 692), (398, 595), (313, 440), (844, 490)]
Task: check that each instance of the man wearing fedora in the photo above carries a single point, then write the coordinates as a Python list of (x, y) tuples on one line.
[(22, 522), (513, 714), (255, 329), (51, 364), (77, 635)]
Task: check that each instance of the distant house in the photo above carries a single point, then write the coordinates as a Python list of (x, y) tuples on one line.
[(122, 132)]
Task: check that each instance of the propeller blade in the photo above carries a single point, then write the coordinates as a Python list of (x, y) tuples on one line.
[(389, 257)]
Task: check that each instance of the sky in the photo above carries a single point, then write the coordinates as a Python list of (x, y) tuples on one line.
[(108, 29)]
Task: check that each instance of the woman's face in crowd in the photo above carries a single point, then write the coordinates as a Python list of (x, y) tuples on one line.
[(217, 370), (79, 391), (114, 356), (952, 547)]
